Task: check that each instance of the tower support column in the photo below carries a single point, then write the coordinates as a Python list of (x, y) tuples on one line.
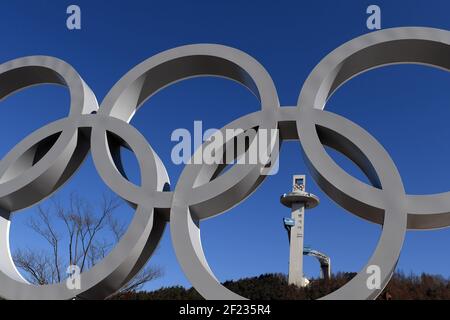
[(296, 246)]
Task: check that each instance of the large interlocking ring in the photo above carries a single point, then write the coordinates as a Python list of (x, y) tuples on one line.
[(40, 164)]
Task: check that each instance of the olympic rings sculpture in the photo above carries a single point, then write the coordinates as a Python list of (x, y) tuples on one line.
[(41, 163)]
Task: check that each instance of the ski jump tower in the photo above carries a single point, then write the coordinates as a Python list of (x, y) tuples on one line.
[(298, 200)]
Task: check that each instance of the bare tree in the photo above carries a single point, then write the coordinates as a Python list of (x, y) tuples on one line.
[(76, 234)]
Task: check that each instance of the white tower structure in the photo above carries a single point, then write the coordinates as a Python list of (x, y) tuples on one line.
[(298, 200)]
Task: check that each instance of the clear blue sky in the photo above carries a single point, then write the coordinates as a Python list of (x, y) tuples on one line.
[(407, 108)]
